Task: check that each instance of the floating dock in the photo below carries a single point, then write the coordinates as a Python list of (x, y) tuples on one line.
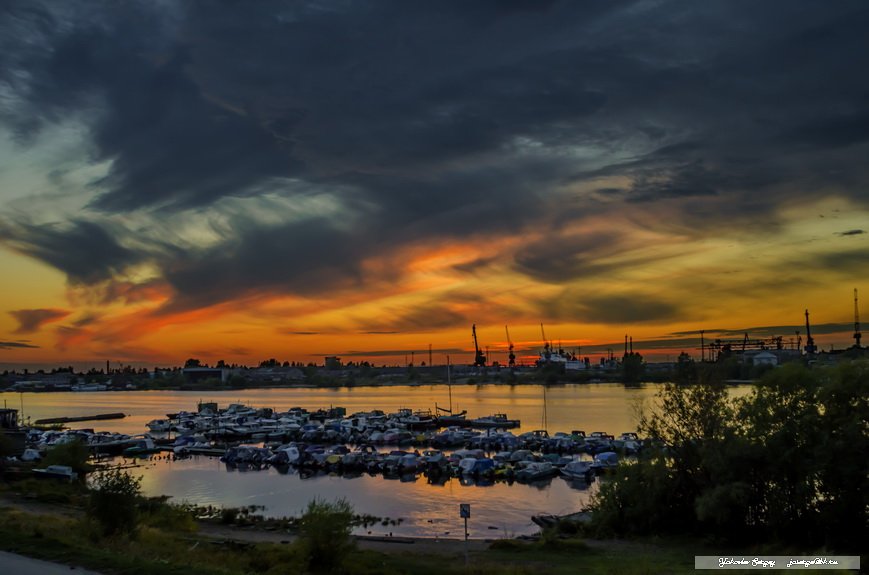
[(97, 417)]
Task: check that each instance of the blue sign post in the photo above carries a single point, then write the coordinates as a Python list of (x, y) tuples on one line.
[(465, 513)]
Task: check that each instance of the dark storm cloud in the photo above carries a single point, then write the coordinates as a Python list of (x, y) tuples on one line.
[(446, 120), (87, 252), (30, 320), (169, 144), (307, 258), (557, 259)]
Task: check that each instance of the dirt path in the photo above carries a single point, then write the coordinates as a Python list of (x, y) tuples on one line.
[(382, 544), (21, 565)]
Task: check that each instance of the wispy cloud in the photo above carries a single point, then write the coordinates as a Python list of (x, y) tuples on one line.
[(16, 345)]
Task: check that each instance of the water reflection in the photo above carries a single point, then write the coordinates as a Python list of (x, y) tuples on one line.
[(425, 506)]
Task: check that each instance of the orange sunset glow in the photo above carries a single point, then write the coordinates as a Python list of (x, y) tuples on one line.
[(181, 182)]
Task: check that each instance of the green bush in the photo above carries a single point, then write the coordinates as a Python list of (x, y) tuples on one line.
[(508, 545), (114, 500), (75, 454), (228, 515), (158, 512), (324, 534)]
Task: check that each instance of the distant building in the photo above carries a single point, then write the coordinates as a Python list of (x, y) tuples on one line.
[(45, 382), (202, 373), (274, 374), (764, 358), (332, 362)]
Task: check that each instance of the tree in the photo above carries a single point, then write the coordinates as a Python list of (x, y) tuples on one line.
[(192, 362), (782, 416), (841, 449), (686, 370), (785, 464), (325, 534), (633, 367)]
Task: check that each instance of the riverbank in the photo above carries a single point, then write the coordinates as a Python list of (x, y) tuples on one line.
[(60, 532), (341, 384)]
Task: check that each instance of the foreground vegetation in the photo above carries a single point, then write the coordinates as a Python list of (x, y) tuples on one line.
[(159, 538), (167, 550), (165, 543), (785, 465)]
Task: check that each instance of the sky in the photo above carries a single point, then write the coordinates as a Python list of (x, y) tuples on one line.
[(247, 180)]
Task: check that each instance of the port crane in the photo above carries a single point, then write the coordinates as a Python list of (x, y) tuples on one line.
[(547, 352), (479, 357), (719, 347), (810, 342), (511, 359), (857, 334)]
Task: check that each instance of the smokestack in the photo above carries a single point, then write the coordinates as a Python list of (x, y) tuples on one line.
[(632, 344)]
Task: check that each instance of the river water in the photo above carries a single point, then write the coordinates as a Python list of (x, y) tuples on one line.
[(497, 510)]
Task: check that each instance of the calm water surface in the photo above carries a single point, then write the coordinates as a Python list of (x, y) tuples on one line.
[(426, 509)]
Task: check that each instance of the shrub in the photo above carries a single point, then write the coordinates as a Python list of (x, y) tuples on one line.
[(75, 454), (114, 502), (168, 516), (324, 534), (228, 515)]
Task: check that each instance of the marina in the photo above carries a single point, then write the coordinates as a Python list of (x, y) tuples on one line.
[(419, 503)]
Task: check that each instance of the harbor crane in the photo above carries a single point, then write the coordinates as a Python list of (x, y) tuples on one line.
[(547, 353), (511, 359), (479, 357), (857, 334), (810, 342)]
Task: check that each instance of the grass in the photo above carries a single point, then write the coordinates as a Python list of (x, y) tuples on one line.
[(160, 551), (168, 544)]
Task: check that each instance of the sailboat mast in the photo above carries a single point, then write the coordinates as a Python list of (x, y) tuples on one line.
[(449, 384)]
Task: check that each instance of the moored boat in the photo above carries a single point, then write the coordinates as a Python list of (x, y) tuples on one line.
[(56, 472)]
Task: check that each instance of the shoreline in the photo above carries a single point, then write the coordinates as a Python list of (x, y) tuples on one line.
[(220, 388)]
